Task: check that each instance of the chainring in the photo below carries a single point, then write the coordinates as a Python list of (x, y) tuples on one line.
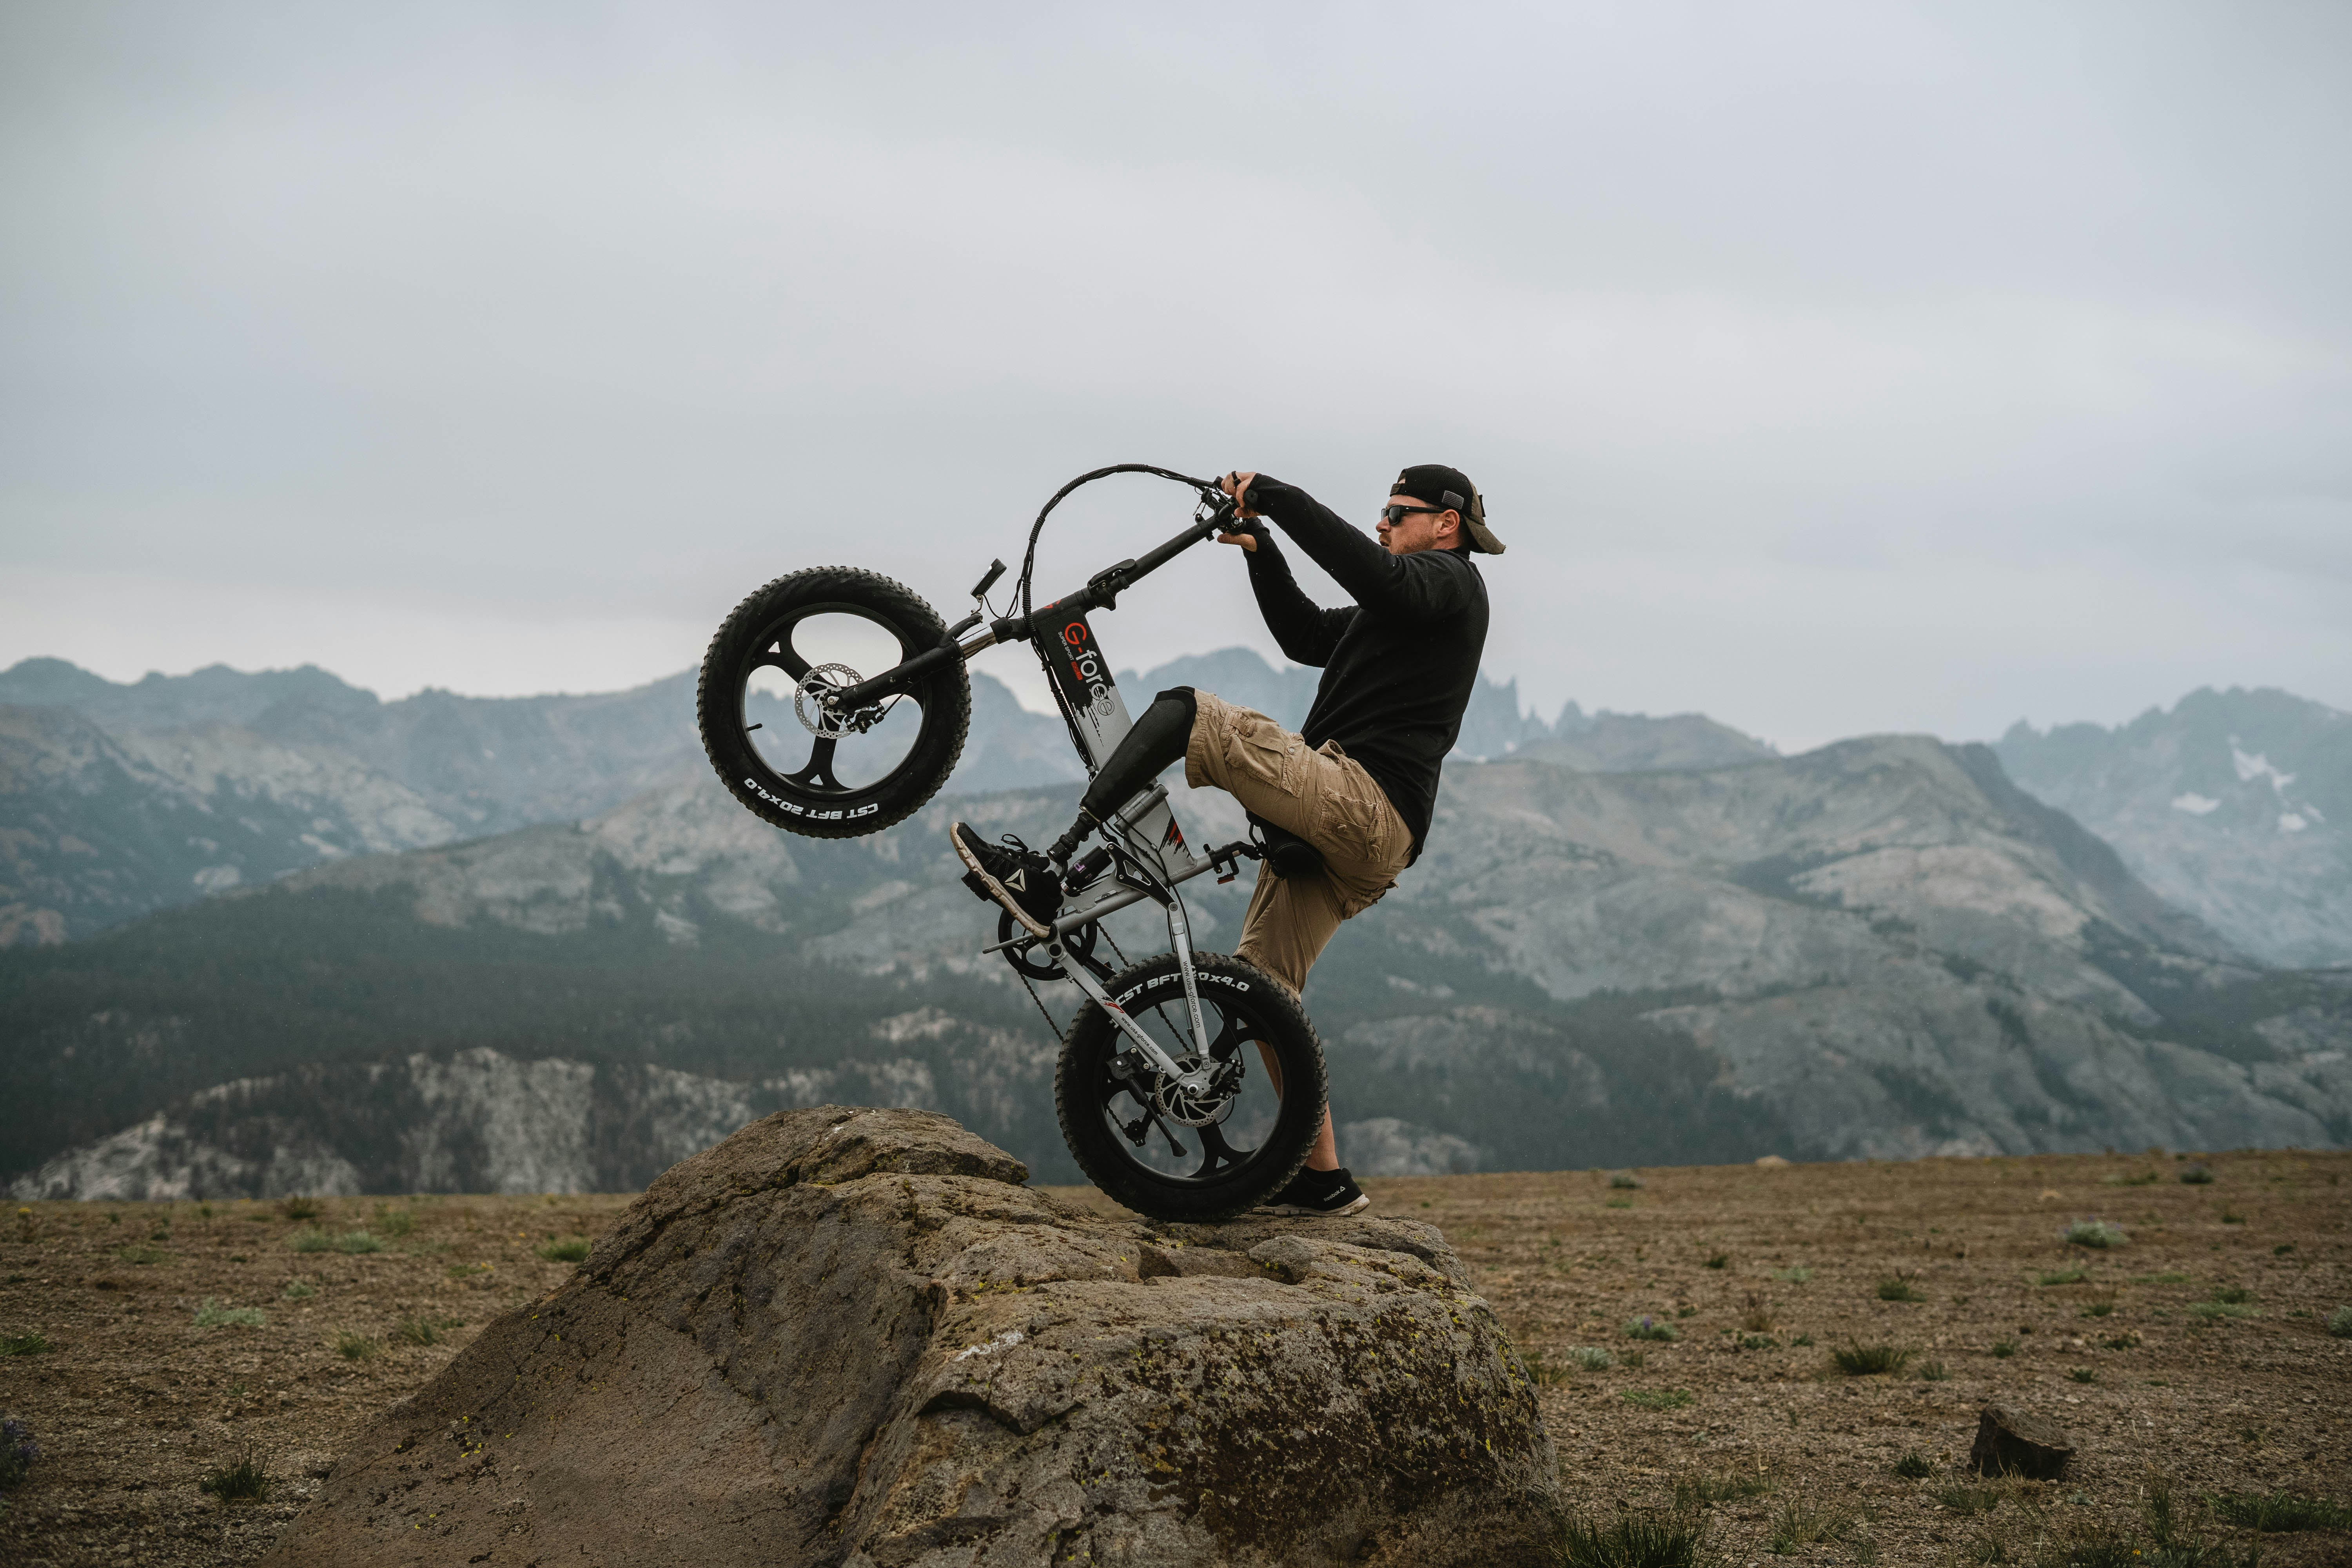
[(1080, 943)]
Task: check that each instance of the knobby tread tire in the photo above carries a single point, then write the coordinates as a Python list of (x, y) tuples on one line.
[(1077, 1103), (718, 713)]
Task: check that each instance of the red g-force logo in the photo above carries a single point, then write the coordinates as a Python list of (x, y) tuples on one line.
[(1082, 671)]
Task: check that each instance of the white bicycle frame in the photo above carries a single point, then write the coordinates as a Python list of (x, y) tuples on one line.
[(1145, 827)]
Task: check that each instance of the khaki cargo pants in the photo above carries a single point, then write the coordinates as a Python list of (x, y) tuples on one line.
[(1323, 795)]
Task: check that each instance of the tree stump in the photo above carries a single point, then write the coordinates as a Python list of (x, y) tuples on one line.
[(2012, 1443)]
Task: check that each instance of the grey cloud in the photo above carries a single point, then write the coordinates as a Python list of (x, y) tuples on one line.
[(1769, 331)]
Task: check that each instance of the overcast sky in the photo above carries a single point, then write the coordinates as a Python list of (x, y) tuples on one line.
[(1829, 368)]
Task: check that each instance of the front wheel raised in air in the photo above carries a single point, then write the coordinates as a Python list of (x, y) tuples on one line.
[(1217, 1140), (785, 755)]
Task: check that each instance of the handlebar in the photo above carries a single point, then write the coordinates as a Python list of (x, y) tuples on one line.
[(1101, 592)]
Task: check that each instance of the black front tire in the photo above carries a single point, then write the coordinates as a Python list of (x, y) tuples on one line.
[(813, 799), (1242, 1160)]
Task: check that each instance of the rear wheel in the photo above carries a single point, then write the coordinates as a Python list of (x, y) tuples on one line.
[(780, 751), (1211, 1147)]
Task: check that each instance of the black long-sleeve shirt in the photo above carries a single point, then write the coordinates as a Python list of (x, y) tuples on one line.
[(1399, 665)]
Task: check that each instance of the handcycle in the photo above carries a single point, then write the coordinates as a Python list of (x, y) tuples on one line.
[(808, 740)]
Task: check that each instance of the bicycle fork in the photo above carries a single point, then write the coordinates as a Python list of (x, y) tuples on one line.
[(1180, 935)]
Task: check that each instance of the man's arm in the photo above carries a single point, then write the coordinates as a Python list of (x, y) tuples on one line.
[(1414, 587), (1305, 631)]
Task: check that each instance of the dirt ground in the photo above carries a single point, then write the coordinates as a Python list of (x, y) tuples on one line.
[(2195, 1351)]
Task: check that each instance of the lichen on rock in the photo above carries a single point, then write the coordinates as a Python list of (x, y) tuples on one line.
[(851, 1337)]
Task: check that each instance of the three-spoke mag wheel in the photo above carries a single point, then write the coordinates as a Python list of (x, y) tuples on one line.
[(796, 763), (1226, 1134)]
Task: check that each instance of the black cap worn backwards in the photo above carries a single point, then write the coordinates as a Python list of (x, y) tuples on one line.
[(1444, 486)]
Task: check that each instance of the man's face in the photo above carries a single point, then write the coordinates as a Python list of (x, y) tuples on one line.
[(1420, 530)]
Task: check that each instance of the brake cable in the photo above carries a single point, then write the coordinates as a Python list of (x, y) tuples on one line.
[(1207, 488), (1029, 557), (1029, 566)]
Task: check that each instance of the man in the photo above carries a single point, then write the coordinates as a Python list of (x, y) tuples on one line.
[(1357, 782)]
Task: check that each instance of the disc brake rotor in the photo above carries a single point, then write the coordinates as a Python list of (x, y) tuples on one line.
[(808, 700), (1211, 1103)]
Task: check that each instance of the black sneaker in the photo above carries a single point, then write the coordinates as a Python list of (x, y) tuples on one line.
[(1019, 878), (1320, 1192)]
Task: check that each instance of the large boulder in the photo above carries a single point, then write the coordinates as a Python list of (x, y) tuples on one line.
[(852, 1337)]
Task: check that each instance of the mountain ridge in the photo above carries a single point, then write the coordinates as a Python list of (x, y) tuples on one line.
[(1878, 949), (2235, 804), (273, 771)]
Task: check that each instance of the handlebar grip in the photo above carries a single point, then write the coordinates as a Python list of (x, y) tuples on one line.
[(995, 570)]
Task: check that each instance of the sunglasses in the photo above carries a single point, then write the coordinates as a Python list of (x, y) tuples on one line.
[(1392, 515)]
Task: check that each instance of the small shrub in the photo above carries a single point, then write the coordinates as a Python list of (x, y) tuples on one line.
[(213, 1315), (1647, 1328), (1901, 1287), (1912, 1467), (1618, 1203), (2095, 1233), (2281, 1249), (1716, 1260), (2138, 1179), (2208, 1311), (2098, 1546), (2277, 1512), (141, 1252), (357, 1241), (1656, 1398), (2127, 1341), (1935, 1372), (1802, 1340), (32, 1341), (299, 1208), (2339, 1322), (1796, 1275), (299, 1290), (1870, 1360), (417, 1332), (18, 1452), (395, 1223), (355, 1347), (1968, 1501), (1799, 1522), (1633, 1541), (1693, 1492), (2060, 1277), (242, 1479), (2233, 1295), (1757, 1343), (2168, 1278), (2197, 1175), (2231, 1218), (1686, 1311), (2085, 1374), (1757, 1314), (2100, 1306), (2003, 1348), (1591, 1358), (1625, 1181), (563, 1249), (311, 1240), (1636, 1359)]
